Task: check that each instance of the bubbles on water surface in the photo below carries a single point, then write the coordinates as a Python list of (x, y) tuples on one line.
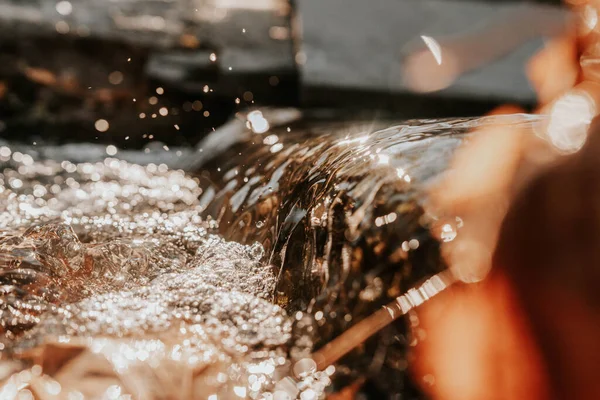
[(117, 253), (110, 264), (57, 247)]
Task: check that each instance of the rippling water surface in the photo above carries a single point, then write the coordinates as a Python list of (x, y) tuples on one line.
[(135, 278)]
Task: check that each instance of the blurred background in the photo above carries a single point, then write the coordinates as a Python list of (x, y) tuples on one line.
[(138, 72)]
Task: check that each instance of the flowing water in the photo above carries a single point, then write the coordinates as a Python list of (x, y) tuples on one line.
[(216, 272)]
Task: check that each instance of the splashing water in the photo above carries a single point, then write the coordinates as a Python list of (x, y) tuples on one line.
[(117, 252), (223, 280)]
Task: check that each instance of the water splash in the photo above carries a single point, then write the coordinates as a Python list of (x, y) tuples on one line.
[(223, 280), (341, 211)]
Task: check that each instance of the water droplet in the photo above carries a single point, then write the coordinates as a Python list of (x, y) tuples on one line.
[(64, 8), (304, 367), (115, 78), (258, 123), (448, 233), (101, 125)]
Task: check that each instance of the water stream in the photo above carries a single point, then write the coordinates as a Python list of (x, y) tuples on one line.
[(215, 272)]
